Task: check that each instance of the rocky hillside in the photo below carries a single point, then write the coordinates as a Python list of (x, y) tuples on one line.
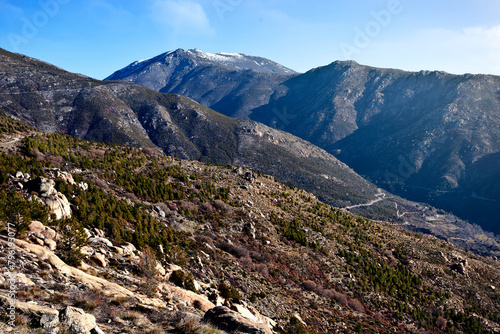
[(428, 136), (232, 84), (155, 244), (51, 99)]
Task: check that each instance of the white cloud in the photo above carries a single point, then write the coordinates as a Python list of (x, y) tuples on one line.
[(185, 17)]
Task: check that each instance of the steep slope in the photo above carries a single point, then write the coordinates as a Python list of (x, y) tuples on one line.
[(232, 84), (167, 240), (130, 114), (430, 136)]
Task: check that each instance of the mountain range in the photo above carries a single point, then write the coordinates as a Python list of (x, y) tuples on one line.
[(125, 209), (120, 112), (427, 136)]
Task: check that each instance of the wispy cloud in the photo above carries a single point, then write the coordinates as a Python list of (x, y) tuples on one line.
[(9, 13), (184, 17), (110, 15), (6, 6)]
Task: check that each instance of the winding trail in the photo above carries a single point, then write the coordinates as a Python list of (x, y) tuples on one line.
[(397, 209), (9, 144), (380, 196)]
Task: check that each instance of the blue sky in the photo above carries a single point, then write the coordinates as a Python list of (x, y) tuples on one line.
[(97, 37)]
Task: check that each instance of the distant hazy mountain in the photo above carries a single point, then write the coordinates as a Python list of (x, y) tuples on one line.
[(429, 136), (230, 83)]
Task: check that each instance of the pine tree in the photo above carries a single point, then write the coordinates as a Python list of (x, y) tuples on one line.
[(73, 238), (147, 268)]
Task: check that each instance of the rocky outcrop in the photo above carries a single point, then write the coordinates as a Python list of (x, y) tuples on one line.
[(187, 297), (106, 287), (99, 259), (229, 320), (56, 173), (37, 314), (76, 320), (43, 190), (58, 203), (42, 235), (245, 174), (460, 267), (49, 320)]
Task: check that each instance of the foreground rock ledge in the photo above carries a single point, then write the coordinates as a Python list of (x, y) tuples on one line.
[(229, 320)]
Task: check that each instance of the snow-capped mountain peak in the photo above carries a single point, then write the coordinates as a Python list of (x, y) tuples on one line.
[(241, 61)]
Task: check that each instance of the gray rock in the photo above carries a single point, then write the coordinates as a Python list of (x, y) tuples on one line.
[(229, 320), (49, 233), (76, 320), (460, 267), (59, 205), (67, 177), (249, 228), (49, 320), (101, 242), (128, 248)]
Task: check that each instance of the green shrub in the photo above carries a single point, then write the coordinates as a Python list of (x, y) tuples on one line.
[(229, 292)]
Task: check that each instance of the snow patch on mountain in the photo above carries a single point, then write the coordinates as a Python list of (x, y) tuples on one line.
[(242, 61)]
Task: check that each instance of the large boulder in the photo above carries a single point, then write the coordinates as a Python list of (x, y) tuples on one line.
[(36, 227), (49, 233), (189, 298), (99, 259), (67, 177), (42, 316), (59, 205), (51, 244), (49, 322), (40, 185), (229, 320), (76, 320)]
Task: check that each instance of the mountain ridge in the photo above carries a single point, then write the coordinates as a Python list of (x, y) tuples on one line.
[(250, 82), (429, 135), (238, 61)]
